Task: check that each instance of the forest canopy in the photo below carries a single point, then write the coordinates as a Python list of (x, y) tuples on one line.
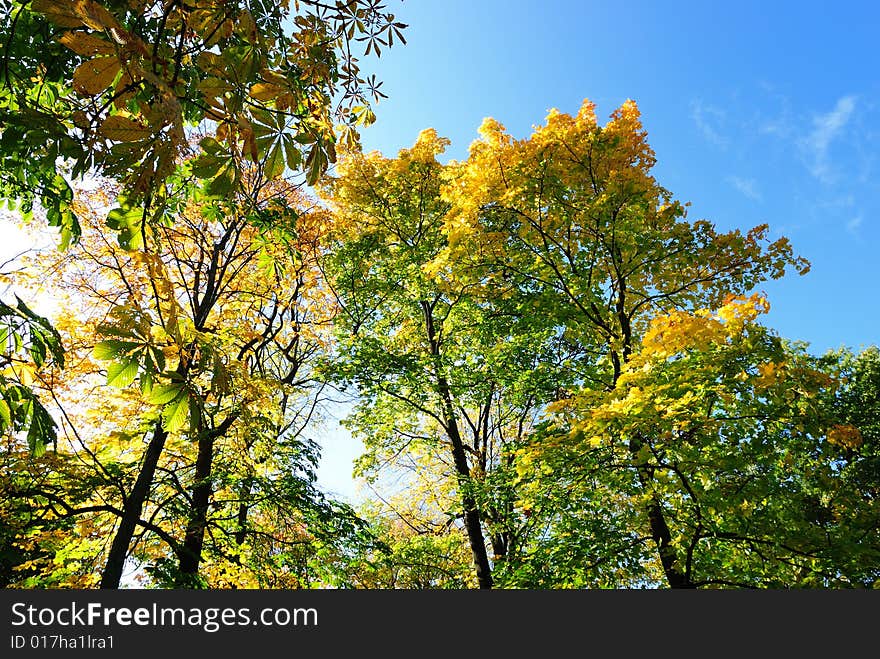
[(560, 379)]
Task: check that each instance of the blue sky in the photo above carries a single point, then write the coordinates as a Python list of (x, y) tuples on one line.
[(757, 111)]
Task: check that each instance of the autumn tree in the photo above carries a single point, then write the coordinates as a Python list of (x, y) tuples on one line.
[(572, 219), (112, 87), (433, 369), (218, 324), (734, 436), (844, 489), (115, 88), (413, 512)]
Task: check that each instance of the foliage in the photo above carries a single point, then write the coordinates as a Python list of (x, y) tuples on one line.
[(730, 426), (560, 380), (210, 336), (30, 345), (437, 372), (112, 87)]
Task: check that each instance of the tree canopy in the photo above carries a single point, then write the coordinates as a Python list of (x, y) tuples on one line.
[(559, 378)]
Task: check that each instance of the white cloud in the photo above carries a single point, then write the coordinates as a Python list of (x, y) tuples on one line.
[(826, 127), (781, 123), (780, 127), (708, 119), (853, 225), (747, 186)]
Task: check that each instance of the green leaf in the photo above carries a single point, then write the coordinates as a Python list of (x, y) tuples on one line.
[(158, 358), (274, 165), (127, 221), (207, 166), (223, 183), (37, 348), (176, 412), (292, 153), (146, 383), (42, 429), (211, 146), (316, 163), (164, 393), (195, 414), (5, 415), (112, 349), (122, 374)]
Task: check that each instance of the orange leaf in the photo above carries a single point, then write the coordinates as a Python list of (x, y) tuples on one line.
[(93, 77), (60, 13), (85, 44)]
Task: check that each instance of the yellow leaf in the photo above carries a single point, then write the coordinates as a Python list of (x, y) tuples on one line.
[(125, 89), (24, 373), (265, 91), (96, 16), (176, 413), (60, 13), (123, 129), (93, 77), (85, 44), (213, 87), (845, 436)]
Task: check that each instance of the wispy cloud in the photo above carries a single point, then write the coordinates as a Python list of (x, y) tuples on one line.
[(747, 186), (853, 225), (781, 123), (779, 126), (826, 127), (708, 119)]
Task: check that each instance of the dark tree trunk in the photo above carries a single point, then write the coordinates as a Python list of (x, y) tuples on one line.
[(471, 512), (132, 509), (663, 539), (243, 510), (134, 504), (472, 523), (499, 546), (660, 532), (191, 555)]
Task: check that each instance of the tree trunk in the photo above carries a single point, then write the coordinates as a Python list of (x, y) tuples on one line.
[(663, 539), (243, 510), (660, 532), (472, 523), (191, 556), (132, 509), (471, 512), (499, 546)]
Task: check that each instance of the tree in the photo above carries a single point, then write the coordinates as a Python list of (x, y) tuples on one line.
[(219, 324), (844, 491), (110, 88), (733, 435), (434, 370), (572, 220), (414, 513), (115, 88)]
